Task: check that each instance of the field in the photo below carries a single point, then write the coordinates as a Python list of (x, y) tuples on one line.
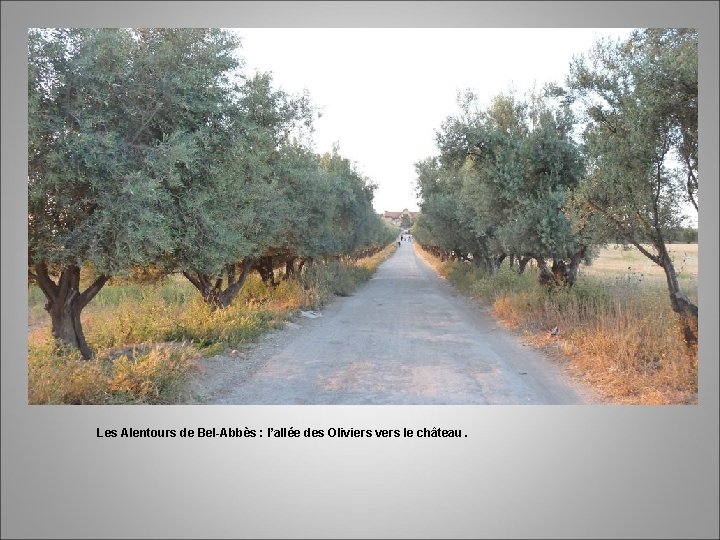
[(618, 262), (616, 330)]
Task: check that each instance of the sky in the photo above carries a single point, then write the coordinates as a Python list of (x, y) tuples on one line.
[(384, 92)]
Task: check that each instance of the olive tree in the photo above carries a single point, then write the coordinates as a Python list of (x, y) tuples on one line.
[(116, 119), (640, 100)]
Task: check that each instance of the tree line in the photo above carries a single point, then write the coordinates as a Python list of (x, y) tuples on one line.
[(611, 155), (150, 148)]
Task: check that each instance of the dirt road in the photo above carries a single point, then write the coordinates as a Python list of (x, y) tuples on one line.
[(404, 337)]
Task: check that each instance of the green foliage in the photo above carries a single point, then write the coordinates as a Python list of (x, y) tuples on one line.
[(491, 287), (640, 101), (90, 196), (683, 235), (511, 179), (147, 156), (501, 183)]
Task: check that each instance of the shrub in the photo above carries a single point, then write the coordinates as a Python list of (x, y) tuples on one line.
[(619, 331)]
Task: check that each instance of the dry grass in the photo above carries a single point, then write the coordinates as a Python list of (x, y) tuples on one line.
[(614, 260), (143, 374), (442, 268), (148, 336), (616, 330)]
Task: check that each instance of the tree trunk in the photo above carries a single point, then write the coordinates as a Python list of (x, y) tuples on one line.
[(264, 266), (65, 302), (522, 263), (680, 303), (211, 289), (289, 268), (574, 266), (201, 282), (559, 271), (226, 297), (546, 277), (489, 264)]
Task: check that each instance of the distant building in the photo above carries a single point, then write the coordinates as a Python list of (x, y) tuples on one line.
[(401, 219)]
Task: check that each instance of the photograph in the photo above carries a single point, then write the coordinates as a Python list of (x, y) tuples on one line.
[(359, 269), (401, 218)]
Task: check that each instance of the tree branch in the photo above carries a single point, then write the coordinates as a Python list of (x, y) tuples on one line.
[(648, 228), (74, 280), (656, 210), (192, 279), (145, 123), (645, 252), (92, 290), (658, 185), (235, 287), (64, 284), (691, 185), (48, 287), (617, 222)]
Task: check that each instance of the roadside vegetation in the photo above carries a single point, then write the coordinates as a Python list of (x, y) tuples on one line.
[(151, 153), (177, 206), (615, 328), (609, 156), (148, 337), (525, 191)]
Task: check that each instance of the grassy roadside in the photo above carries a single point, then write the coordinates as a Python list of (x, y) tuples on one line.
[(148, 337), (617, 332)]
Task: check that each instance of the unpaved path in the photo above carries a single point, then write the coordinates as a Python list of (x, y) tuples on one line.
[(404, 337)]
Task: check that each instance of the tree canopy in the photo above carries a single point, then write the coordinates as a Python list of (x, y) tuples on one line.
[(151, 147), (611, 156), (640, 102), (500, 184)]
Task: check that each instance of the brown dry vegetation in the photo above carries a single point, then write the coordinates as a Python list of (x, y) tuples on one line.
[(616, 328), (148, 337), (615, 260)]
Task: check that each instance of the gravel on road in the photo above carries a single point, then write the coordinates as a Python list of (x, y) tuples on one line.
[(404, 337)]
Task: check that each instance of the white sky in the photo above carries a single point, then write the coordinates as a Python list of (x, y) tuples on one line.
[(384, 92)]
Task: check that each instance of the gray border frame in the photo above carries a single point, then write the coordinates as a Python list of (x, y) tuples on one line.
[(560, 472)]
